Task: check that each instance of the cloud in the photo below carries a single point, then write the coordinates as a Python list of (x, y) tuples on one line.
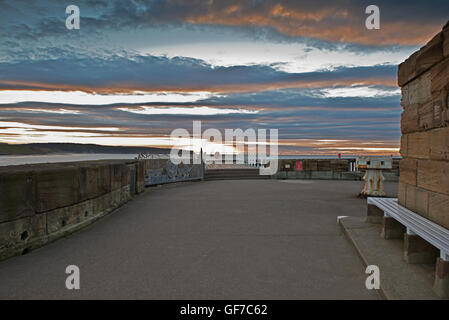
[(411, 23), (194, 111), (150, 73), (308, 68)]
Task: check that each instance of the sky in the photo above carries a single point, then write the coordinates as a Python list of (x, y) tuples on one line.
[(137, 70)]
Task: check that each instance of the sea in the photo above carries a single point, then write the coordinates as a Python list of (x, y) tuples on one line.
[(11, 160)]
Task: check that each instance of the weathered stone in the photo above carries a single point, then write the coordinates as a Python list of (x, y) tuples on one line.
[(116, 176), (419, 145), (310, 165), (140, 176), (104, 179), (446, 41), (126, 175), (434, 176), (407, 70), (441, 284), (405, 102), (410, 119), (417, 200), (439, 144), (65, 218), (440, 78), (391, 229), (430, 54), (408, 169), (438, 208), (57, 188), (17, 195), (420, 89), (125, 194), (404, 146), (402, 192), (57, 192), (89, 183), (22, 235), (425, 113), (417, 250), (374, 214)]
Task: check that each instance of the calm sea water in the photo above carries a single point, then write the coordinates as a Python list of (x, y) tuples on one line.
[(18, 160)]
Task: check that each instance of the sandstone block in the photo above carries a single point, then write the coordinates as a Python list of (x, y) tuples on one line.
[(57, 188), (441, 284), (425, 113), (116, 176), (89, 182), (430, 54), (405, 102), (420, 89), (407, 70), (446, 41), (417, 250), (408, 170), (391, 229), (433, 176), (439, 144), (410, 119), (439, 209), (402, 193), (440, 78), (104, 179), (417, 200), (65, 218), (419, 145), (18, 235), (374, 214), (17, 195), (404, 146)]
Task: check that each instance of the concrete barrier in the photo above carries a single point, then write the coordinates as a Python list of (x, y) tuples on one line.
[(326, 169), (40, 203)]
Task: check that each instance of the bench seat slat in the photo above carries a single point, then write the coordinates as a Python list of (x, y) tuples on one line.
[(428, 230)]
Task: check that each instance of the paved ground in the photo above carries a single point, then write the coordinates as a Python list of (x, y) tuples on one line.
[(252, 239)]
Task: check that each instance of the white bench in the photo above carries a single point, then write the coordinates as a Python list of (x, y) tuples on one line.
[(415, 224)]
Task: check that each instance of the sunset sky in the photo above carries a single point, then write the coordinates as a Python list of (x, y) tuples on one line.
[(136, 70)]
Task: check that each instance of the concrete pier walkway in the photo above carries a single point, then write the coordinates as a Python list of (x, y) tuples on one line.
[(246, 239)]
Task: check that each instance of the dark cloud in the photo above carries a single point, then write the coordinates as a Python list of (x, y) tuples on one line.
[(150, 72), (37, 52), (410, 22)]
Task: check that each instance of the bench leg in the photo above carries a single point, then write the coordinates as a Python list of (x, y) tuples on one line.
[(418, 250), (441, 284), (374, 214), (391, 229)]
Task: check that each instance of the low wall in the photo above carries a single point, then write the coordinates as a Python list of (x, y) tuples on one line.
[(159, 171), (327, 169), (43, 202)]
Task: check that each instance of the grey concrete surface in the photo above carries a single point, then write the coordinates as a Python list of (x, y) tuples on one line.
[(245, 239), (398, 279)]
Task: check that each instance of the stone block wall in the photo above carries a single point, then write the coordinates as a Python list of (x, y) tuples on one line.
[(424, 179), (43, 202)]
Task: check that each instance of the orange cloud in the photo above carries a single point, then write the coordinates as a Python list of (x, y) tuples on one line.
[(330, 24)]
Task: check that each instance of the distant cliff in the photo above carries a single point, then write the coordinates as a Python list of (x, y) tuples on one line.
[(49, 148)]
